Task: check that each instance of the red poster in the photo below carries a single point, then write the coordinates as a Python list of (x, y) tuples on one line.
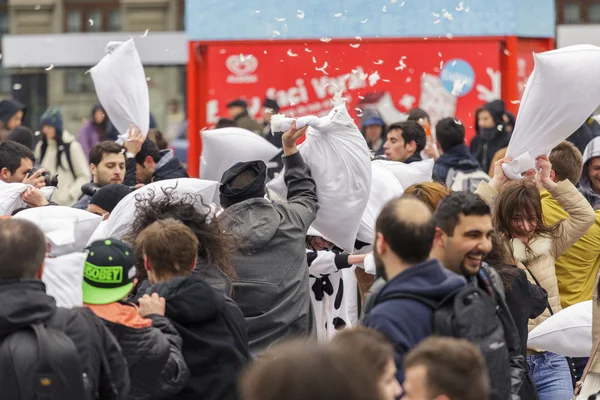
[(444, 77)]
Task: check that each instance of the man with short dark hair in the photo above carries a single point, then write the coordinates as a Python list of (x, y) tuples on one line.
[(25, 303), (405, 231), (107, 164), (272, 285), (15, 162), (463, 237), (215, 345), (450, 135), (405, 141), (445, 368), (152, 165)]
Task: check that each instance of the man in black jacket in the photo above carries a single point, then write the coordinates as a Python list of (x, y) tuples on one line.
[(215, 344), (25, 302), (150, 343), (150, 164), (405, 141), (450, 134), (463, 238)]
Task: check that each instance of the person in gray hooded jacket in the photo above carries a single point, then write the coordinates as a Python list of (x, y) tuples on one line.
[(272, 284), (589, 184)]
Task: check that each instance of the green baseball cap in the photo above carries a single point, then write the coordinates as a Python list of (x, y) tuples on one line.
[(109, 272)]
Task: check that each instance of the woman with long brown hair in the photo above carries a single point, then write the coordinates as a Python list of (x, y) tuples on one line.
[(534, 247)]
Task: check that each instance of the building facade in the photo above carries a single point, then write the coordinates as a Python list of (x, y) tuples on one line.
[(49, 45)]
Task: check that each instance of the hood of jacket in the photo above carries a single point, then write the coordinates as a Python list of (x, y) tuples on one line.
[(253, 223), (23, 303), (190, 300), (592, 150), (459, 157), (429, 279), (169, 167)]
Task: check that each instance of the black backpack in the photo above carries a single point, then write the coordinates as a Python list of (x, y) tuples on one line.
[(42, 362), (455, 316)]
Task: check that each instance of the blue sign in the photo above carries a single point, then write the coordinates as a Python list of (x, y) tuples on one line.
[(457, 77)]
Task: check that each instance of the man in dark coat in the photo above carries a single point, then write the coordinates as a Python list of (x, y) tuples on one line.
[(215, 343), (404, 235), (450, 134), (151, 345), (272, 284), (150, 164), (25, 302), (238, 110)]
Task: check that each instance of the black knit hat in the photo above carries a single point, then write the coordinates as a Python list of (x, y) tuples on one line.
[(109, 196)]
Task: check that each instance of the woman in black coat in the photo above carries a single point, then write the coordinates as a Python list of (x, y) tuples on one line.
[(525, 301)]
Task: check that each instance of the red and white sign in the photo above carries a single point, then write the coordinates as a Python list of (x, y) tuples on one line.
[(393, 76)]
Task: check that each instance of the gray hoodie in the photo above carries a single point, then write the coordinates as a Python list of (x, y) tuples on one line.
[(272, 285), (592, 150)]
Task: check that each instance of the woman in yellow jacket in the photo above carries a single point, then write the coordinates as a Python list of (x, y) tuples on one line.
[(534, 248), (59, 153)]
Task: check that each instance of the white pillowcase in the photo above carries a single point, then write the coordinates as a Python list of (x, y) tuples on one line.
[(561, 94), (409, 174), (568, 332), (122, 88), (121, 218)]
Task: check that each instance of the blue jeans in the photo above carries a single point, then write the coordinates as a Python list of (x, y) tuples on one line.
[(551, 376)]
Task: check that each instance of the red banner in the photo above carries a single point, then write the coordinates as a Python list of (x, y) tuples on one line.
[(444, 77)]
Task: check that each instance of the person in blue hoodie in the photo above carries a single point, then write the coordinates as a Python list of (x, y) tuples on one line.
[(405, 231), (450, 135)]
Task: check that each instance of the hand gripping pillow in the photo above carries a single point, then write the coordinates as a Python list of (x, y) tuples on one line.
[(223, 148), (384, 187), (67, 229), (568, 332), (409, 174), (562, 92), (122, 89), (339, 160), (121, 218)]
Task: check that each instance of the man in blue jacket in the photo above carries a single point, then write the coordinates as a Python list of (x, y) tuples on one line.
[(404, 236)]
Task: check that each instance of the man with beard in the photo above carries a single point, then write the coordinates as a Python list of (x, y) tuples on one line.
[(405, 231), (107, 165), (463, 237)]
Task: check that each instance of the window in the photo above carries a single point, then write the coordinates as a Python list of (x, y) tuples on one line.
[(572, 13), (92, 16), (594, 13), (114, 21), (77, 81)]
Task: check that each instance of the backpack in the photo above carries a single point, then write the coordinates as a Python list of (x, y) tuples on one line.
[(465, 181), (41, 362), (454, 316)]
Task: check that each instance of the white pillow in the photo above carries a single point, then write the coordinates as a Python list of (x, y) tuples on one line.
[(63, 277), (99, 233), (409, 174), (339, 160), (122, 89), (562, 92), (121, 218), (10, 197), (384, 187), (67, 229), (568, 332), (223, 148)]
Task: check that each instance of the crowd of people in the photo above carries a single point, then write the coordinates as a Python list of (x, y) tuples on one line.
[(246, 300)]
